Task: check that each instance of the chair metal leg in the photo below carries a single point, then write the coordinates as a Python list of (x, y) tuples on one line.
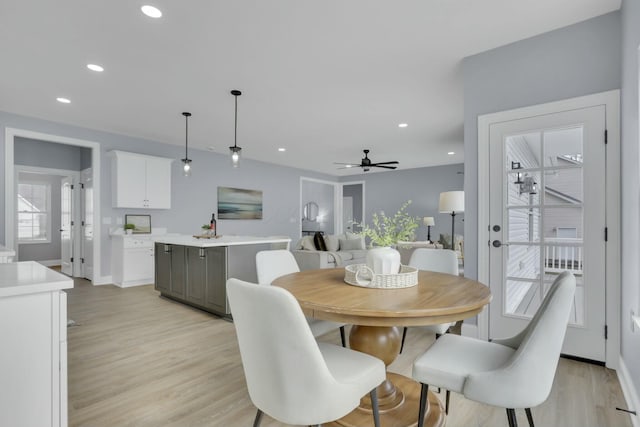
[(424, 390), (529, 416), (342, 337), (404, 335), (511, 416), (374, 407), (446, 407), (258, 418)]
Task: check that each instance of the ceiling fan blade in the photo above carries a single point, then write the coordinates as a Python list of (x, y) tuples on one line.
[(386, 167), (385, 163), (348, 167), (351, 164)]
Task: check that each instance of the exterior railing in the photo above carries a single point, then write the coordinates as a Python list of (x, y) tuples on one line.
[(562, 254)]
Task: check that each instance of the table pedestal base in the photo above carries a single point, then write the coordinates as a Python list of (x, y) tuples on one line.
[(404, 414)]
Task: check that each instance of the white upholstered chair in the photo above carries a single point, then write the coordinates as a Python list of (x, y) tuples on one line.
[(440, 261), (512, 373), (291, 377), (273, 264)]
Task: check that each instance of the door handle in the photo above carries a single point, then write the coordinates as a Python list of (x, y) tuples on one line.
[(498, 243)]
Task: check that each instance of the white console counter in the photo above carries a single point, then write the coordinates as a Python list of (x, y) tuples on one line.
[(33, 338), (223, 241)]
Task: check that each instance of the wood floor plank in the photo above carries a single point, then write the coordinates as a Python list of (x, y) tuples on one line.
[(139, 360)]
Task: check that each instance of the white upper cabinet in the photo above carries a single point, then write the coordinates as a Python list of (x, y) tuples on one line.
[(140, 181)]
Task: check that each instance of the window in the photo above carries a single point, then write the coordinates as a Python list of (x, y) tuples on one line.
[(34, 216)]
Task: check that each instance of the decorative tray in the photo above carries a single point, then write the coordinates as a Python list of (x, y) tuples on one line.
[(361, 275)]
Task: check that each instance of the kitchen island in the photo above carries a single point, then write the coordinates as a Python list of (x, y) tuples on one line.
[(195, 271)]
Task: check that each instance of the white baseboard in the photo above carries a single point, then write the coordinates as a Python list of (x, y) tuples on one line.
[(104, 280), (629, 391), (469, 330), (134, 283)]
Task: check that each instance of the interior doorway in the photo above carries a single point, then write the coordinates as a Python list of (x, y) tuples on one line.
[(353, 206), (92, 250)]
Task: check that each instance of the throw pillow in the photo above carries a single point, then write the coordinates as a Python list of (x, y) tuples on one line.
[(351, 244), (332, 243), (318, 241), (307, 243)]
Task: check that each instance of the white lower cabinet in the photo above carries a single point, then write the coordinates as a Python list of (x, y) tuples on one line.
[(132, 261), (33, 354)]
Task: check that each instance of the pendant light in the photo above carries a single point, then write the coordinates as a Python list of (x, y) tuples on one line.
[(187, 161), (235, 150)]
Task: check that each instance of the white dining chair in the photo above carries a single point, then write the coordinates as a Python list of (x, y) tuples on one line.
[(440, 261), (512, 373), (291, 377), (275, 263)]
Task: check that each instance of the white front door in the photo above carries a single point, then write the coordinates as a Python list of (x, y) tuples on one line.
[(66, 226), (547, 214)]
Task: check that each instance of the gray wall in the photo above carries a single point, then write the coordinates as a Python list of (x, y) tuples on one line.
[(630, 187), (387, 191), (193, 198), (32, 152), (577, 60), (323, 195), (44, 251)]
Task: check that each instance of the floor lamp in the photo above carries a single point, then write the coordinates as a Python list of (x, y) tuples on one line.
[(452, 202)]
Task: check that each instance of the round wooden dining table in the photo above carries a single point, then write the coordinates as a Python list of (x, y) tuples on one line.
[(376, 315)]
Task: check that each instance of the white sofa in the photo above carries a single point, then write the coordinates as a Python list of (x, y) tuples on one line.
[(342, 249)]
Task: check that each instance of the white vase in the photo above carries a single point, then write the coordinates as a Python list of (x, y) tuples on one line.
[(384, 260)]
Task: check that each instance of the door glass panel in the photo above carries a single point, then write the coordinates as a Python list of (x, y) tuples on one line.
[(523, 188), (563, 147), (521, 297), (524, 225), (523, 150), (563, 225), (523, 261), (563, 186)]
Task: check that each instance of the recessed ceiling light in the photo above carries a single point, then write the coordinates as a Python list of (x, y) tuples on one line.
[(451, 153), (151, 11), (282, 149), (348, 166), (403, 125), (63, 100), (95, 67)]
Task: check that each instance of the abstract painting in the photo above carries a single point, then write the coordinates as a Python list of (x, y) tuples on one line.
[(238, 203)]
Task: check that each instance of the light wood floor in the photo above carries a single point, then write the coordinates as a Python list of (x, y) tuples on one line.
[(139, 360)]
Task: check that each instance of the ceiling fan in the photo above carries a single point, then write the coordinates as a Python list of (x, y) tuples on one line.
[(366, 163)]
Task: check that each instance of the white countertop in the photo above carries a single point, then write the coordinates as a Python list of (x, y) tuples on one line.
[(220, 241), (29, 277)]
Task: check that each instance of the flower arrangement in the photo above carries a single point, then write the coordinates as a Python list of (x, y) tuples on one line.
[(387, 231)]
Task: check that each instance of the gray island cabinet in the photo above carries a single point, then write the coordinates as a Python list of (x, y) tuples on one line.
[(195, 271)]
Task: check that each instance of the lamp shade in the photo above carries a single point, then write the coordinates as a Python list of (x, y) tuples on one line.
[(451, 201), (428, 221)]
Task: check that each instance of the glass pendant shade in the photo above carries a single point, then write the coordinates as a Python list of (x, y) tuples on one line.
[(186, 169), (235, 155)]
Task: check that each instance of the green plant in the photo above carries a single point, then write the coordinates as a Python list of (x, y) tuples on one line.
[(129, 227), (387, 231), (206, 227)]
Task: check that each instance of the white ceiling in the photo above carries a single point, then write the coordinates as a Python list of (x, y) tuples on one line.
[(324, 79)]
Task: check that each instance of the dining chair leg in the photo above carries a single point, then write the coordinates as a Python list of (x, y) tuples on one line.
[(529, 416), (511, 416), (374, 407), (404, 335), (258, 418), (446, 405), (342, 337), (424, 390)]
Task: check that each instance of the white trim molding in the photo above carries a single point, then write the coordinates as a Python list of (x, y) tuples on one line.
[(611, 101), (629, 391), (10, 185), (50, 262)]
